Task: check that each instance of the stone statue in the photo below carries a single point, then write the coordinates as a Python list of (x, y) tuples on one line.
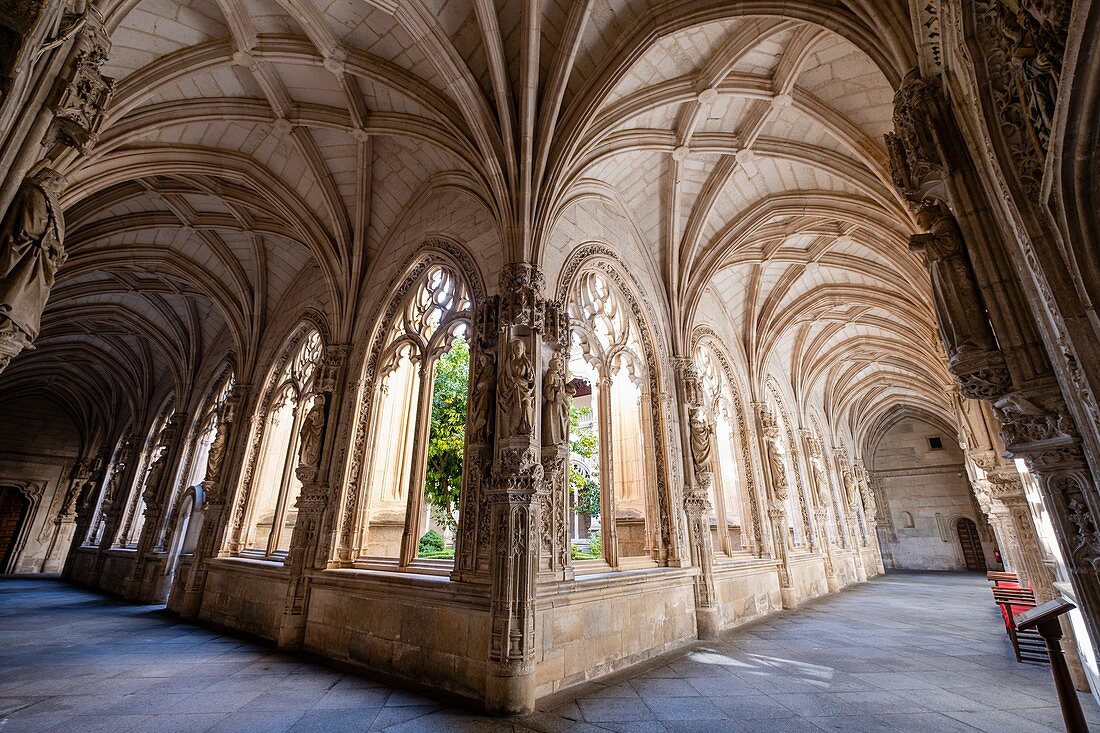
[(217, 452), (154, 477), (313, 426), (556, 395), (517, 390), (779, 473), (959, 311), (481, 399), (701, 445), (32, 233)]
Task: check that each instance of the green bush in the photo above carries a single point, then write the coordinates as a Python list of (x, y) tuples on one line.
[(595, 547), (448, 554), (431, 543)]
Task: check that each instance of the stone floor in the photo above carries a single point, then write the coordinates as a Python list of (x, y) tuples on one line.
[(910, 652)]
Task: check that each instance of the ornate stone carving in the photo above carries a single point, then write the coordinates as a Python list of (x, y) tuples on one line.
[(516, 390), (521, 301), (556, 396), (968, 339), (84, 94), (32, 234), (1022, 45), (1033, 419), (915, 161), (483, 400), (702, 445), (312, 434)]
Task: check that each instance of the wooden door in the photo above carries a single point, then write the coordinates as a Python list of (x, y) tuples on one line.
[(971, 545), (13, 510)]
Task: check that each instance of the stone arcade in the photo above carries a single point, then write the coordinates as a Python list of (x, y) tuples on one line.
[(500, 346)]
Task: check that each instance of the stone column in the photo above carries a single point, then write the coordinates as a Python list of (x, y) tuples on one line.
[(66, 111), (472, 545), (513, 492), (156, 495), (553, 497), (855, 529), (870, 511), (114, 504), (1037, 427), (84, 506), (775, 479), (314, 470), (222, 468), (823, 500), (698, 436)]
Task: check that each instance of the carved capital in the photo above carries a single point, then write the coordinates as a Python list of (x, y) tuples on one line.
[(1035, 421)]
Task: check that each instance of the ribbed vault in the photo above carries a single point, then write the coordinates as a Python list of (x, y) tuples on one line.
[(260, 149)]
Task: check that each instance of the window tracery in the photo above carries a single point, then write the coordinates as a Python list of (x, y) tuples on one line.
[(134, 519), (731, 521), (606, 352), (410, 489), (274, 489)]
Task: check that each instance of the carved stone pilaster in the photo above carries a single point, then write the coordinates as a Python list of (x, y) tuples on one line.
[(698, 508), (516, 491), (514, 535), (823, 505), (215, 487), (472, 546), (553, 514), (1006, 489), (1036, 426)]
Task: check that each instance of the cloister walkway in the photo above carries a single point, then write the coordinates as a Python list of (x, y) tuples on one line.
[(908, 652)]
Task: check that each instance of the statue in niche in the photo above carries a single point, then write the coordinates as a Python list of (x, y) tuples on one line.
[(702, 447), (959, 311), (481, 399), (556, 395), (153, 478), (313, 426), (779, 472), (32, 235), (217, 452), (517, 390)]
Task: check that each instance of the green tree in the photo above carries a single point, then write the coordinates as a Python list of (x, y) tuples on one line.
[(446, 441), (585, 444)]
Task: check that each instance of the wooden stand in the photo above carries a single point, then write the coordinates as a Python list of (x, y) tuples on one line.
[(1044, 619)]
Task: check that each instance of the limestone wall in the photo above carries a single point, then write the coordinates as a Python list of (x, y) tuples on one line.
[(428, 631), (808, 577), (245, 595), (926, 491), (39, 449), (746, 591), (609, 622)]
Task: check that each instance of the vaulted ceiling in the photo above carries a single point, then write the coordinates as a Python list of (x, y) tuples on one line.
[(257, 149)]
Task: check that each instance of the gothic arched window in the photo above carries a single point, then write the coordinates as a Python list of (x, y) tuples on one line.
[(411, 487), (732, 516), (606, 354), (274, 487), (134, 518), (197, 457)]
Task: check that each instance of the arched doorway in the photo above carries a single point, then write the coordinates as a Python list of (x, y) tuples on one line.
[(971, 544), (13, 510)]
